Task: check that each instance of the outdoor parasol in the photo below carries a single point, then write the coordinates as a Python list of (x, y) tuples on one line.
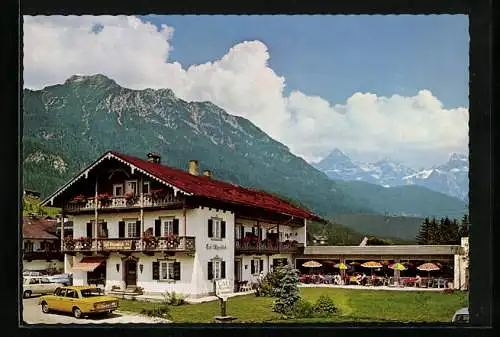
[(397, 266), (342, 266), (371, 264), (312, 264), (428, 267)]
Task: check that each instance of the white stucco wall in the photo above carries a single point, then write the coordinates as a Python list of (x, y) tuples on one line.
[(461, 265), (194, 269)]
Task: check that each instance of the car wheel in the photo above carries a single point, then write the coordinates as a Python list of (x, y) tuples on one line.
[(77, 312), (27, 294), (45, 308)]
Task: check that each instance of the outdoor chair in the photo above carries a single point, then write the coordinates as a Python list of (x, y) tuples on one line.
[(441, 283)]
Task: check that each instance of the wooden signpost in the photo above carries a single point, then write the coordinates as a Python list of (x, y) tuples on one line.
[(222, 290)]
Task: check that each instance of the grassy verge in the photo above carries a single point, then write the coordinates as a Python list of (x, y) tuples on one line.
[(355, 306)]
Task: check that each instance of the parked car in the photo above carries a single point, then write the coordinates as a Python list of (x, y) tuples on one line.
[(65, 279), (38, 285), (461, 316), (79, 300), (31, 273)]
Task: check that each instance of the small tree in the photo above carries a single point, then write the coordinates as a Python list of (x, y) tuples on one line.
[(464, 226), (288, 294)]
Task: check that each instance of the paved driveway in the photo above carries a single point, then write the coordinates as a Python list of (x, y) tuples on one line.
[(32, 314)]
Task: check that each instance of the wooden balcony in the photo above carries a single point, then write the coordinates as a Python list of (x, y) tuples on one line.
[(267, 247), (116, 203), (182, 244), (51, 254)]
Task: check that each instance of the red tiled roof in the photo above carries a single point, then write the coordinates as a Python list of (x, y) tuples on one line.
[(39, 228), (215, 189)]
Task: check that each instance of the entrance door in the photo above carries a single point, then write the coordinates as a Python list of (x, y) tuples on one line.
[(130, 273), (237, 270)]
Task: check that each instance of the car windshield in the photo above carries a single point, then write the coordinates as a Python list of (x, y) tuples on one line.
[(91, 292)]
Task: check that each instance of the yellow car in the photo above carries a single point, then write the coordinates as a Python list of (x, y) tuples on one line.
[(79, 300)]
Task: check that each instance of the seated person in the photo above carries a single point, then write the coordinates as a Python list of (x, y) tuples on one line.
[(418, 281), (362, 280)]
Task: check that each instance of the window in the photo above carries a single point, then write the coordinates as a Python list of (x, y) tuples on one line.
[(34, 281), (216, 228), (44, 280), (168, 226), (217, 269), (62, 292), (71, 293), (28, 246), (167, 270), (256, 263), (92, 292), (132, 229), (118, 190), (238, 230), (131, 186), (145, 187)]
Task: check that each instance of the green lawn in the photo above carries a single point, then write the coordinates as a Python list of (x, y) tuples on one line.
[(355, 306)]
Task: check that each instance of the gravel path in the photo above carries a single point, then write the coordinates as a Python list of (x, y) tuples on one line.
[(32, 314)]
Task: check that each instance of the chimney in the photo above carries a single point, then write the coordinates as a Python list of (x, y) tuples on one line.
[(154, 157), (193, 167), (207, 173)]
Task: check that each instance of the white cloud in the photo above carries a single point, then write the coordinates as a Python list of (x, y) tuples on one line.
[(416, 130)]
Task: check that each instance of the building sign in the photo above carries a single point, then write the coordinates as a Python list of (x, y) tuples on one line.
[(216, 246), (117, 245)]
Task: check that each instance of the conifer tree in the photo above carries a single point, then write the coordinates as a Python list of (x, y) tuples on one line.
[(434, 233), (423, 237), (464, 226)]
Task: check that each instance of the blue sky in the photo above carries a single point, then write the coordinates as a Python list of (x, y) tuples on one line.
[(335, 56), (372, 86)]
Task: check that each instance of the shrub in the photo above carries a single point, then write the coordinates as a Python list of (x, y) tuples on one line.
[(288, 291), (303, 309), (162, 311), (324, 306), (173, 299)]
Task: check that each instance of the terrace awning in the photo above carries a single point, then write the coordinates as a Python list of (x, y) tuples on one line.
[(88, 264)]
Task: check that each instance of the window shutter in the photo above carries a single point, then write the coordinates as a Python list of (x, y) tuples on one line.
[(138, 228), (252, 267), (223, 269), (210, 270), (253, 230), (89, 229), (260, 234), (156, 270), (104, 226), (261, 265), (121, 229), (210, 228), (242, 228), (157, 227), (176, 226), (177, 270), (223, 229)]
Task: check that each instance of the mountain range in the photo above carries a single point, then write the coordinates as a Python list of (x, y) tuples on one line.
[(67, 126), (451, 178)]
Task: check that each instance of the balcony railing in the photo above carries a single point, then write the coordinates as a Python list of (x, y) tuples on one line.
[(182, 243), (266, 246), (122, 202), (50, 254)]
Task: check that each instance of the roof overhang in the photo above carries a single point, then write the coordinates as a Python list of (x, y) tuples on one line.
[(86, 171), (384, 250)]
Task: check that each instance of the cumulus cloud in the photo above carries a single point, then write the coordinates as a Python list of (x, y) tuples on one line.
[(416, 130)]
